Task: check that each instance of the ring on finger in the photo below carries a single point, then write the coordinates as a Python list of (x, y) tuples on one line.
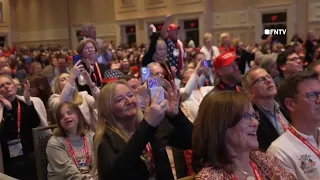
[(162, 105)]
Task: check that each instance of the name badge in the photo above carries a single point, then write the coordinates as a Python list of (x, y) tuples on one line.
[(176, 52), (15, 148)]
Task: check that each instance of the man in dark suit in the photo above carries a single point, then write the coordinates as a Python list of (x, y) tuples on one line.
[(259, 83)]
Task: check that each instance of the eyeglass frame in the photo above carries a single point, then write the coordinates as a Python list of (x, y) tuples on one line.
[(261, 79)]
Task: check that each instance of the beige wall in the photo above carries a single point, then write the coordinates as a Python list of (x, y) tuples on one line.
[(5, 25), (46, 21)]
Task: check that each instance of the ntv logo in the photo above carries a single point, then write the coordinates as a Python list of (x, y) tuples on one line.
[(275, 31)]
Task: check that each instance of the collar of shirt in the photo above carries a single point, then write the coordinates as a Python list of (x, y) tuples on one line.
[(309, 138)]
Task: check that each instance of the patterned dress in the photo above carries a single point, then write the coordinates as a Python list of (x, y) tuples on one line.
[(267, 164)]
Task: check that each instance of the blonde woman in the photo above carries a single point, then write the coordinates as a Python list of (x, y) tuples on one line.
[(65, 90), (128, 146), (226, 41), (70, 149), (209, 50)]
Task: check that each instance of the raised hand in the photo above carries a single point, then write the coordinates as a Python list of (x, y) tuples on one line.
[(173, 97), (152, 28), (173, 71), (26, 93), (154, 112), (5, 103), (76, 70)]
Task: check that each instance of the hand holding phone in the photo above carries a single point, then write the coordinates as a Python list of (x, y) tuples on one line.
[(154, 85)]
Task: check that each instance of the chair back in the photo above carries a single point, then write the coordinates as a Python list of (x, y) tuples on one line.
[(40, 142)]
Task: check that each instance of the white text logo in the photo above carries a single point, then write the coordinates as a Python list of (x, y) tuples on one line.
[(275, 31)]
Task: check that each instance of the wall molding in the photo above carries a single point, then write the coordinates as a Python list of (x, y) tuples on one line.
[(154, 4)]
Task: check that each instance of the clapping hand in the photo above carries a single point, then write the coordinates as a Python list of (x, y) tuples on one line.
[(5, 103), (154, 112), (26, 93), (173, 97)]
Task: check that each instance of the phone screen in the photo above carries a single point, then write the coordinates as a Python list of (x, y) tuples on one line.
[(208, 63), (154, 85), (145, 74), (76, 58)]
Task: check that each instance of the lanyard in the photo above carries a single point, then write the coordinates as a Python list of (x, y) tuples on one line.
[(282, 122), (98, 69), (149, 152), (86, 149), (255, 171), (304, 141), (19, 119)]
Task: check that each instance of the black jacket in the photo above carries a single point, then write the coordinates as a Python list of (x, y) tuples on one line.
[(120, 160), (266, 133)]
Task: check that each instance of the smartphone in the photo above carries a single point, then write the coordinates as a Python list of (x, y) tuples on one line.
[(208, 63), (76, 58), (145, 74), (154, 85)]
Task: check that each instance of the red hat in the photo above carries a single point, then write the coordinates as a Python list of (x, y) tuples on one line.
[(173, 27), (223, 60)]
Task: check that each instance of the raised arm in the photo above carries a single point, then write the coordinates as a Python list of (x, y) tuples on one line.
[(165, 26)]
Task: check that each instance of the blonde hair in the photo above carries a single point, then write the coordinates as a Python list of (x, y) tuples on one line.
[(106, 119), (156, 55), (223, 36), (33, 67), (77, 99), (207, 36)]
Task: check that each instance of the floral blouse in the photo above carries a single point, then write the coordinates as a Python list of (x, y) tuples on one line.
[(268, 165)]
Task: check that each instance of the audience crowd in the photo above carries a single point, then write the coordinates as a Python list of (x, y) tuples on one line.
[(226, 111)]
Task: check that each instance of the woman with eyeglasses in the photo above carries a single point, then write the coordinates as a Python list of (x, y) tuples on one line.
[(224, 141), (70, 149), (87, 49)]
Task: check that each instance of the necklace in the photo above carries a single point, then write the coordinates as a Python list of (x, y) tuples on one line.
[(249, 177)]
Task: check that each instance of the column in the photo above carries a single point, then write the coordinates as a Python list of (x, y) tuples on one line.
[(302, 21), (208, 20)]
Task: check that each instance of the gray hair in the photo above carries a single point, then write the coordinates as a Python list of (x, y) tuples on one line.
[(267, 60)]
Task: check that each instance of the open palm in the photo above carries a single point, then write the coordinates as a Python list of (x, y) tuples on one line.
[(173, 97)]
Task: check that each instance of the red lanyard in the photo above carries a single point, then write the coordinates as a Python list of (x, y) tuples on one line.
[(99, 74), (19, 119), (149, 152), (282, 122), (304, 141), (86, 149), (255, 171)]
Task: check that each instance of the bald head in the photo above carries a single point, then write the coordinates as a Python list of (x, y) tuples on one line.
[(89, 31)]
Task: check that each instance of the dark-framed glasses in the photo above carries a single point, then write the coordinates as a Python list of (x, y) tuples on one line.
[(313, 96), (248, 116), (261, 79)]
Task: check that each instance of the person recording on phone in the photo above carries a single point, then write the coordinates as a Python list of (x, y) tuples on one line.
[(19, 114), (65, 90), (87, 50), (194, 90), (131, 145)]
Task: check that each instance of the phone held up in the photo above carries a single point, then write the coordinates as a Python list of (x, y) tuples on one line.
[(145, 74), (76, 58), (155, 85), (208, 63)]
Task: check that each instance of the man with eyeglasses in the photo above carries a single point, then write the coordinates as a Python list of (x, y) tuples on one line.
[(288, 63), (298, 148), (259, 83)]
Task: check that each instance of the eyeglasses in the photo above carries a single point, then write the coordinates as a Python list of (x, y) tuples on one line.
[(248, 116), (313, 96), (89, 48), (294, 59), (261, 79)]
